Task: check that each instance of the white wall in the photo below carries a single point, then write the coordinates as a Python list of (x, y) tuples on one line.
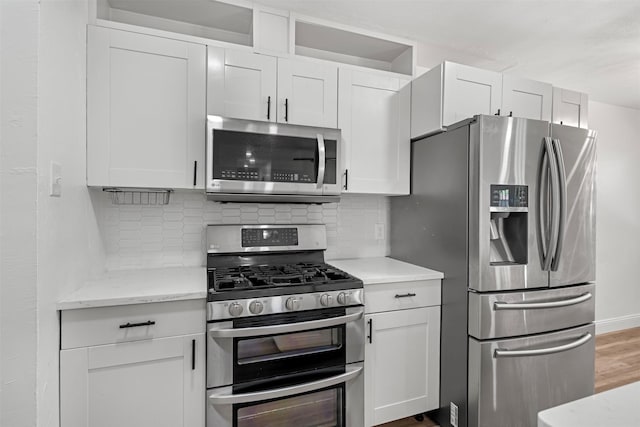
[(18, 112), (173, 235), (69, 245), (618, 219)]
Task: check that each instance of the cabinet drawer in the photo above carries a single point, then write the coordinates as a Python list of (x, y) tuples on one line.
[(401, 295), (108, 325), (510, 314)]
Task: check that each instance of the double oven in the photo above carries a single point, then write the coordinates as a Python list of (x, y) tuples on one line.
[(285, 331)]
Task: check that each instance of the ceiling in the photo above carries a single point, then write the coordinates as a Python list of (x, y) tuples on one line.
[(592, 46)]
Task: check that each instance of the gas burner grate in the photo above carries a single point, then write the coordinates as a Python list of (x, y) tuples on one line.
[(263, 276)]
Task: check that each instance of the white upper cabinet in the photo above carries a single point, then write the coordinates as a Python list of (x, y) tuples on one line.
[(570, 108), (241, 84), (145, 110), (526, 98), (469, 91), (452, 92), (373, 114), (307, 93), (251, 86)]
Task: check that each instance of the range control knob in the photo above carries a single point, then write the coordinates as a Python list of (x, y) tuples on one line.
[(292, 304), (326, 300), (235, 309), (256, 307), (343, 298)]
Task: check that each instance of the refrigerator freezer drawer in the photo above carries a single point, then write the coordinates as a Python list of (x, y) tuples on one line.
[(510, 381), (512, 314)]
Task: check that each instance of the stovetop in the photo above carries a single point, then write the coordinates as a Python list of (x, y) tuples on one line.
[(256, 270), (263, 276), (249, 281)]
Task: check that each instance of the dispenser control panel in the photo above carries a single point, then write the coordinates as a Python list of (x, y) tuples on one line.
[(509, 196)]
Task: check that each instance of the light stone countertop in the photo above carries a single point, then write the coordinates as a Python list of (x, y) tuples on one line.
[(124, 287), (616, 407), (384, 270)]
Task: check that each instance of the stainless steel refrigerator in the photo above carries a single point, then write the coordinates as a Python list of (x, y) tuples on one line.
[(505, 207)]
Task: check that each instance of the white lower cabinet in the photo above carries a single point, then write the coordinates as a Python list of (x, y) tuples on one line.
[(137, 376), (402, 360)]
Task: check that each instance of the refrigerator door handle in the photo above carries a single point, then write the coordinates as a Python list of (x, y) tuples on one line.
[(499, 305), (549, 240), (562, 214), (543, 351)]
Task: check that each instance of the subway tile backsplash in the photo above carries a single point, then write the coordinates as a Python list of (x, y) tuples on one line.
[(173, 234)]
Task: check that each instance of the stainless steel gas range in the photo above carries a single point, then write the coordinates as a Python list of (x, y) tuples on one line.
[(285, 330)]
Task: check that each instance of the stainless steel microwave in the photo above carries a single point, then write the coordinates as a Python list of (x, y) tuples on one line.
[(250, 161)]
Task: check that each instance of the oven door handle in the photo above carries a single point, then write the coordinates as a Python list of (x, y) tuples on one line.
[(225, 395), (286, 328)]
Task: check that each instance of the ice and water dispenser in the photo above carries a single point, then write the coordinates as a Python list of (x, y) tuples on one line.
[(509, 224)]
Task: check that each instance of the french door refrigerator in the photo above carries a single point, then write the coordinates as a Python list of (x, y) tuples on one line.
[(505, 207)]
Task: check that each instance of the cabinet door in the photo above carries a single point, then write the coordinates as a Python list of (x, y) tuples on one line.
[(307, 93), (402, 360), (241, 85), (526, 98), (570, 108), (145, 110), (373, 114), (151, 383), (469, 91)]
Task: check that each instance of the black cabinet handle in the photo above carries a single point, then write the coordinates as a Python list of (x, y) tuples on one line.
[(135, 325), (195, 172), (498, 113), (346, 179), (370, 336), (510, 113), (286, 109), (193, 355), (268, 108), (410, 294)]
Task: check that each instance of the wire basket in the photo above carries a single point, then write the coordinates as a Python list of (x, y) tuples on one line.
[(139, 196)]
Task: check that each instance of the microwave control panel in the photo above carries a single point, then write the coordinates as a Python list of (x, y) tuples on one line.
[(253, 174)]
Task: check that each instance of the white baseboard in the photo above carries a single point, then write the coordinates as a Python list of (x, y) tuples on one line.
[(617, 323)]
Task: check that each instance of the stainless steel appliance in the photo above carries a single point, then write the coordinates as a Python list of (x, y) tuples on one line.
[(285, 330), (260, 161), (505, 207)]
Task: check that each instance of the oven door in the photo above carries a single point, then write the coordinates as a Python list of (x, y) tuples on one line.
[(245, 157), (249, 351), (336, 400)]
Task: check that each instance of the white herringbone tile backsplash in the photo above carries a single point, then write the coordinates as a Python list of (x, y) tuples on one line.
[(173, 234)]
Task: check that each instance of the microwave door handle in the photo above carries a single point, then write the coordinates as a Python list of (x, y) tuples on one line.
[(226, 396), (284, 329), (562, 214), (322, 159)]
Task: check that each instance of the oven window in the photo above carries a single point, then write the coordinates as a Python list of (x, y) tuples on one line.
[(275, 347), (323, 408)]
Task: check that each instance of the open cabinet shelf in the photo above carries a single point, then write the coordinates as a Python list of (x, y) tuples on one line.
[(323, 41), (217, 20)]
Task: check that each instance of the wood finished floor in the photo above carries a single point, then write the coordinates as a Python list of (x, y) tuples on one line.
[(617, 364)]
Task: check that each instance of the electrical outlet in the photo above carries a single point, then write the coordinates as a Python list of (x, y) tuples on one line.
[(453, 415), (379, 231)]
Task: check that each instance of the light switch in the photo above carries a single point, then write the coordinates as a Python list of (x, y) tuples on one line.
[(55, 180), (379, 231)]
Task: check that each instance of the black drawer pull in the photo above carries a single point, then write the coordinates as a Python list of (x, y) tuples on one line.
[(405, 295), (135, 325), (370, 336)]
